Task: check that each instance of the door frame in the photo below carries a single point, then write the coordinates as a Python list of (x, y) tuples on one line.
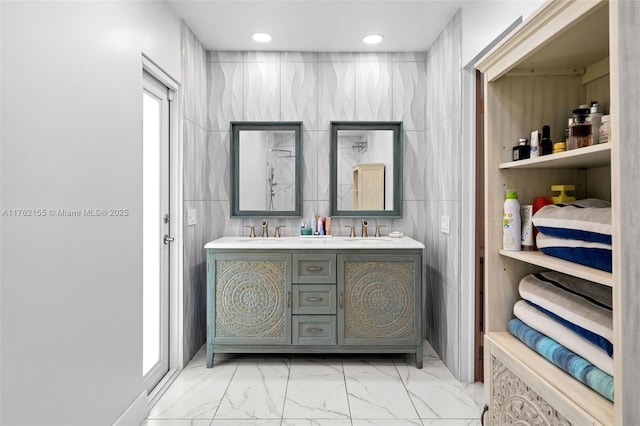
[(176, 327), (468, 211)]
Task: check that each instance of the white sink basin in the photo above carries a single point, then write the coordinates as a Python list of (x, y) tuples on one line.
[(312, 243), (259, 240), (369, 240)]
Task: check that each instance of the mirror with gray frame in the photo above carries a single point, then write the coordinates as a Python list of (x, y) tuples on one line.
[(266, 163), (366, 169)]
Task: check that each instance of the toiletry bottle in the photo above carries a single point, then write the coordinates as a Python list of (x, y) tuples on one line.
[(595, 118), (535, 144), (511, 229), (522, 150), (605, 129), (313, 224), (580, 131), (546, 145), (526, 213)]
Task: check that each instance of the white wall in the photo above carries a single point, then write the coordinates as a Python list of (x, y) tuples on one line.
[(483, 21), (71, 317), (482, 24)]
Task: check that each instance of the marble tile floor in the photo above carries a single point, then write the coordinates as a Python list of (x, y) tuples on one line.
[(323, 390)]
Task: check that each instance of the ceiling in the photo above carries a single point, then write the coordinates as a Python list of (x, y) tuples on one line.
[(312, 25)]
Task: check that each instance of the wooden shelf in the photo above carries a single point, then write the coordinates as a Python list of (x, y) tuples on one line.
[(581, 158), (528, 363), (545, 261), (536, 76)]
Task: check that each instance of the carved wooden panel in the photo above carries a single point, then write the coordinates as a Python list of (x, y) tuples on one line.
[(514, 403), (250, 299), (378, 300)]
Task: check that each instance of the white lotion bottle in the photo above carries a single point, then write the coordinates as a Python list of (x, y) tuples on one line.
[(511, 224)]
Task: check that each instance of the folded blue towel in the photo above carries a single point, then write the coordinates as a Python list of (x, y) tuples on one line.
[(563, 358), (595, 255)]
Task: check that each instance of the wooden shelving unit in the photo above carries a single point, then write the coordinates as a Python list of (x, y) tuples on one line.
[(554, 61), (553, 263)]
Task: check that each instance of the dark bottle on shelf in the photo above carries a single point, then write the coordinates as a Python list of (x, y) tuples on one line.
[(546, 145), (522, 151)]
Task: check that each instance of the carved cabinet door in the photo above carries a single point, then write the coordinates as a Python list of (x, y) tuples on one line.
[(379, 299), (251, 299)]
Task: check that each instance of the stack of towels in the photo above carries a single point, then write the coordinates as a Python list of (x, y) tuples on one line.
[(579, 232), (568, 321)]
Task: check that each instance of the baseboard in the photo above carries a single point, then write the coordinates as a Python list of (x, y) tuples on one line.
[(135, 414)]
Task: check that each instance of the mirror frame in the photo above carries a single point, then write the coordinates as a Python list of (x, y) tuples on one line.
[(396, 127), (238, 126)]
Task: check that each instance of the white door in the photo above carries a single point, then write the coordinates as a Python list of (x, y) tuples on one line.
[(156, 231)]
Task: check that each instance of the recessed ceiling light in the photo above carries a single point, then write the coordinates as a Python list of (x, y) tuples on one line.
[(372, 39), (262, 37)]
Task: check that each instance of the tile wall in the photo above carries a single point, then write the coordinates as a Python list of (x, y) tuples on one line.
[(316, 88), (442, 192), (197, 189)]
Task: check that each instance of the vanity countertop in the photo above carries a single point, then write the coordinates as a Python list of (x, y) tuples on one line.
[(314, 243)]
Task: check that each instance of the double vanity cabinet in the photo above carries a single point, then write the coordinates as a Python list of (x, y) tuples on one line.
[(314, 295)]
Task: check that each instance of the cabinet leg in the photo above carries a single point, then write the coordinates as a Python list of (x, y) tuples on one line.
[(209, 358), (419, 357)]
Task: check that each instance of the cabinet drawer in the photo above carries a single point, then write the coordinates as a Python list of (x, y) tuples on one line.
[(314, 330), (314, 268), (314, 299)]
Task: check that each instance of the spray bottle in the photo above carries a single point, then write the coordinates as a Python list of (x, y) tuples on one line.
[(511, 226)]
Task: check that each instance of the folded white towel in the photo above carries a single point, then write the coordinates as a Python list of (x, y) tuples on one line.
[(580, 302), (586, 220), (546, 325)]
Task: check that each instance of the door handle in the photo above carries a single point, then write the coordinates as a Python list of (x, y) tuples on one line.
[(168, 239), (314, 268), (314, 330), (314, 299)]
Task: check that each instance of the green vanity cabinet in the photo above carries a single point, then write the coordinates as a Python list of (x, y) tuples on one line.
[(250, 301), (380, 299), (318, 300)]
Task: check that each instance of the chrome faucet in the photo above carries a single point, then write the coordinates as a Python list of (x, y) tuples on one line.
[(352, 233), (277, 234), (252, 233), (364, 228), (378, 229), (265, 229)]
